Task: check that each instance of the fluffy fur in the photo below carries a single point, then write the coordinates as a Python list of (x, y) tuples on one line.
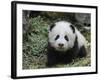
[(65, 43)]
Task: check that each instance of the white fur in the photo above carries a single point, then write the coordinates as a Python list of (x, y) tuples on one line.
[(63, 28), (81, 39)]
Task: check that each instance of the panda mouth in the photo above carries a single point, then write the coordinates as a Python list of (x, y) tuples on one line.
[(60, 47)]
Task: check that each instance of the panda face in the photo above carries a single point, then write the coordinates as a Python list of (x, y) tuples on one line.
[(61, 41), (62, 36)]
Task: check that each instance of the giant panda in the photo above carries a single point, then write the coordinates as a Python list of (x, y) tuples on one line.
[(65, 43)]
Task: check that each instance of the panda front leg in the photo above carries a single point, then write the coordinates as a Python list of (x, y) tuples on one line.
[(82, 52), (51, 59)]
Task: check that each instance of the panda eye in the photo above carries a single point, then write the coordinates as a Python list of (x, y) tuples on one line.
[(57, 37), (66, 38)]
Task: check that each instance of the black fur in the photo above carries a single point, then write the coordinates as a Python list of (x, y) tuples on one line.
[(51, 27), (66, 38), (54, 57), (57, 37), (73, 28), (82, 52)]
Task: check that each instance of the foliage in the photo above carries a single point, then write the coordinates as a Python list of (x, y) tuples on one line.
[(35, 45)]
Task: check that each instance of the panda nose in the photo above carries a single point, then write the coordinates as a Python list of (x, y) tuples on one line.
[(61, 44)]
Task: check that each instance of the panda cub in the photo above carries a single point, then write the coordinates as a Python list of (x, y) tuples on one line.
[(65, 43)]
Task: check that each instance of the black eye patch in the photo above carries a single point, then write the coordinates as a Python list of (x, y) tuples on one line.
[(57, 37), (66, 38)]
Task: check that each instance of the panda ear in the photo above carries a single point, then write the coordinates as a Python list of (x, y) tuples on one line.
[(73, 28), (51, 27)]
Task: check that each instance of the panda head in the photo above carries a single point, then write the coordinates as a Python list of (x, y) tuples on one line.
[(62, 36)]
